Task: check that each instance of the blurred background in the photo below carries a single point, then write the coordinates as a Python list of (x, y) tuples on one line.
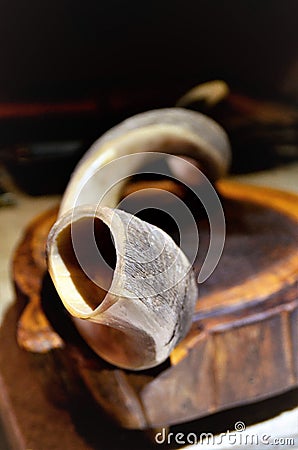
[(70, 70)]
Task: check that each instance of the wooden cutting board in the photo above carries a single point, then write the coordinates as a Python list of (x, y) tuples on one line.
[(242, 348)]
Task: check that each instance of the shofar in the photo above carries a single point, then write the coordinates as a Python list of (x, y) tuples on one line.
[(132, 297)]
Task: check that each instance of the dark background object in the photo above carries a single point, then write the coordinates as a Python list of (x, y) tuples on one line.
[(70, 70), (62, 49)]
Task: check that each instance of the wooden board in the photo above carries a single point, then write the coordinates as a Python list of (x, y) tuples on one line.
[(242, 347)]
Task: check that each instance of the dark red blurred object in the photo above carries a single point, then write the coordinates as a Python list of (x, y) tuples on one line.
[(69, 71)]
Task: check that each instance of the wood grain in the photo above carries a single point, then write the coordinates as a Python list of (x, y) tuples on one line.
[(243, 344)]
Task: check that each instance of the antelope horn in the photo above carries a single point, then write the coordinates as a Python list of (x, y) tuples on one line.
[(131, 296)]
